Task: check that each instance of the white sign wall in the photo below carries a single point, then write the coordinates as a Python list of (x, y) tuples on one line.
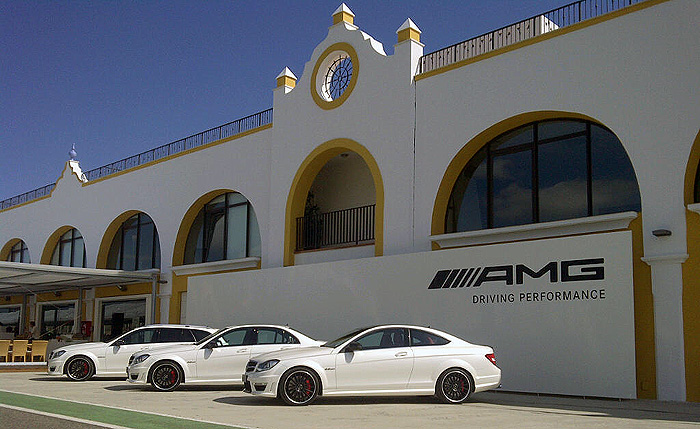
[(559, 312)]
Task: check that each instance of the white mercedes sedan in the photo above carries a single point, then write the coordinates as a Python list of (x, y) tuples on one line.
[(219, 358), (381, 360), (82, 361)]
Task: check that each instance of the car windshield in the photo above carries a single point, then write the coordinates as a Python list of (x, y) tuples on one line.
[(210, 336), (335, 343)]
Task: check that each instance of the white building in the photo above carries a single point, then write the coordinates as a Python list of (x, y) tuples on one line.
[(534, 188)]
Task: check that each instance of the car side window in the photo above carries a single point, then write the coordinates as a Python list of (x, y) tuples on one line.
[(275, 336), (384, 339), (199, 334), (142, 336), (236, 337), (422, 338), (174, 335)]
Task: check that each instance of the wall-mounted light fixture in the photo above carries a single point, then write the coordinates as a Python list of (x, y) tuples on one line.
[(122, 288), (57, 293), (661, 233)]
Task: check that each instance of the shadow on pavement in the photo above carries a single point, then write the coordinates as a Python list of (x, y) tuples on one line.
[(355, 400)]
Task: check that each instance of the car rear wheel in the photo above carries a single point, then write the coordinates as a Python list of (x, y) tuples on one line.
[(80, 368), (454, 386), (299, 386), (166, 376)]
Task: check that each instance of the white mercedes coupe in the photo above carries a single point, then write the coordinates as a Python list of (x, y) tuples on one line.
[(82, 361), (219, 358), (381, 360)]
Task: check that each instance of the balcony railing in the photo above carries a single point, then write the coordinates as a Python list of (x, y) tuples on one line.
[(336, 228), (209, 136), (526, 29)]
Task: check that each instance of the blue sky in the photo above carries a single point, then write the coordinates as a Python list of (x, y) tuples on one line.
[(117, 78)]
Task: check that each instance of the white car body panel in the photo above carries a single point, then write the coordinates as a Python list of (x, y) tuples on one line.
[(394, 370), (213, 365)]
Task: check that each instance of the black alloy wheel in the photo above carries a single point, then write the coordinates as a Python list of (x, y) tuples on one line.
[(299, 387), (454, 386), (166, 376), (80, 368)]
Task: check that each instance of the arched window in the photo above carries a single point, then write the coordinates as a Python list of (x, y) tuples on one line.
[(135, 246), (19, 253), (540, 172), (226, 228), (70, 250)]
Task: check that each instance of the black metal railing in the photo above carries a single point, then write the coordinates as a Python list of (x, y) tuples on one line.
[(526, 29), (205, 137), (349, 226), (27, 196), (209, 136)]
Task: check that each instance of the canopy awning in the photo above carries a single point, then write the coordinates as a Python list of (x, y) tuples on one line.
[(20, 278)]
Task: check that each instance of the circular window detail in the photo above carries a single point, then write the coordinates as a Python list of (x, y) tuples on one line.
[(334, 76), (337, 78)]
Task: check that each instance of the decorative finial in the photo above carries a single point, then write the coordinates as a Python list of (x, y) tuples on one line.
[(73, 153)]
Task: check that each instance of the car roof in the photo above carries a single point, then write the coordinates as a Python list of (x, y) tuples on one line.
[(171, 325)]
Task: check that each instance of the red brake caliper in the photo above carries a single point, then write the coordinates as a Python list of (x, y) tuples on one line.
[(172, 376)]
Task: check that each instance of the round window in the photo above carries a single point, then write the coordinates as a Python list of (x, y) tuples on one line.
[(335, 75)]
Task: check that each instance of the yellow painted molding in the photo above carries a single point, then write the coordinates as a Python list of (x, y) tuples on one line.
[(5, 252), (286, 81), (343, 17), (408, 34), (348, 49), (28, 202), (541, 38), (691, 171), (179, 154), (306, 174)]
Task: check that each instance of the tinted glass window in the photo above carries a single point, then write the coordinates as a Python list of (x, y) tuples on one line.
[(422, 338), (237, 337), (384, 338), (135, 245), (199, 334), (275, 336), (142, 336), (174, 335), (541, 172)]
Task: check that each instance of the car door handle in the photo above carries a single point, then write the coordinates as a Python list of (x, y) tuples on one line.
[(242, 351), (401, 354)]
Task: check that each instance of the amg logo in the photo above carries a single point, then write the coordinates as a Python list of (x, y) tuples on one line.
[(564, 271)]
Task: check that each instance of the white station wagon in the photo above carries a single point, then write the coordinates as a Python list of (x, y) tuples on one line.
[(81, 361), (380, 360), (219, 358)]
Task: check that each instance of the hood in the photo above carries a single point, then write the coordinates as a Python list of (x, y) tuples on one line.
[(83, 346), (296, 353)]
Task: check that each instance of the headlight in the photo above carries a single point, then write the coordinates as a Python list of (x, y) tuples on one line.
[(267, 365), (140, 358), (56, 354)]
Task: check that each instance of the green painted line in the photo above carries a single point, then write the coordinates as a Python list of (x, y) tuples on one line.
[(97, 413)]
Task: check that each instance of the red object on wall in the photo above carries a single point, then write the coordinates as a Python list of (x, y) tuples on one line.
[(86, 328)]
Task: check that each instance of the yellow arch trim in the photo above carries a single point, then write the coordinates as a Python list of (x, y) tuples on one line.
[(691, 281), (308, 170), (52, 241), (5, 252), (328, 105)]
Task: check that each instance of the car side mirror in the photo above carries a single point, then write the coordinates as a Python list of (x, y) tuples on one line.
[(118, 343), (354, 346), (210, 345)]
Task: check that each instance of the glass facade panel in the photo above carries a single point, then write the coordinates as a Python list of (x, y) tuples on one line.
[(145, 246), (57, 319), (237, 232), (563, 175), (119, 317), (225, 228), (132, 246), (70, 250), (130, 238), (614, 183), (582, 169), (65, 252), (19, 253), (512, 189), (9, 319)]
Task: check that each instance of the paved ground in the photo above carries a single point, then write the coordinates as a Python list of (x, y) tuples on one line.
[(229, 406)]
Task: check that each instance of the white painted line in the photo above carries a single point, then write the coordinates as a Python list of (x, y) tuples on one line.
[(63, 417)]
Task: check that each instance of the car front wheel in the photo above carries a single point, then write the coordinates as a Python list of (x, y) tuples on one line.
[(166, 376), (454, 386), (299, 386), (80, 368)]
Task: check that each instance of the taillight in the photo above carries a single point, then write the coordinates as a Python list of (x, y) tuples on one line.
[(492, 358)]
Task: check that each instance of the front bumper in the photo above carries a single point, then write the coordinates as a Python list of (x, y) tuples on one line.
[(54, 367), (260, 383), (137, 374)]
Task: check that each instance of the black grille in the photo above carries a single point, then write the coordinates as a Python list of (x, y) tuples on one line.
[(250, 367)]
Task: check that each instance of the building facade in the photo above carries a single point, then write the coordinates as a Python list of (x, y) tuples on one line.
[(534, 188)]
